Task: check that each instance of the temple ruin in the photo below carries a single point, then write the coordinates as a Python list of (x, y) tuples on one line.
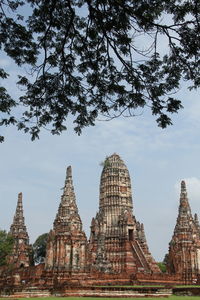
[(116, 252), (67, 242), (184, 247), (117, 241), (20, 256)]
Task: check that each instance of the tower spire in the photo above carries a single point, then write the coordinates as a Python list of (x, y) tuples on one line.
[(67, 208), (18, 220), (68, 198), (66, 246), (185, 243), (184, 206), (183, 187), (20, 254), (196, 221), (183, 194)]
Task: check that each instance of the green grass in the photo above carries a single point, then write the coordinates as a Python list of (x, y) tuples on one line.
[(187, 286), (153, 286), (94, 298), (130, 286)]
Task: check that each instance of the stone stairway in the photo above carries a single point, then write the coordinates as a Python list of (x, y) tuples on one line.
[(140, 255)]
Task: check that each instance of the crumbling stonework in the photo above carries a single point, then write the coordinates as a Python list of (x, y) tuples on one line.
[(116, 253), (184, 248), (67, 242), (117, 241), (20, 256)]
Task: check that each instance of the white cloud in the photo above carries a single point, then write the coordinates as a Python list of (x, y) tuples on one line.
[(193, 188)]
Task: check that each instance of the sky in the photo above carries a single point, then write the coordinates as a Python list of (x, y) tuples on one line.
[(157, 160)]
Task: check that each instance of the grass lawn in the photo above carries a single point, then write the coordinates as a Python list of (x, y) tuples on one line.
[(187, 286), (153, 286), (93, 298), (132, 286)]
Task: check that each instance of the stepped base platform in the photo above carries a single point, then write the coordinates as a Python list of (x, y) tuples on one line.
[(29, 292), (116, 292), (106, 292)]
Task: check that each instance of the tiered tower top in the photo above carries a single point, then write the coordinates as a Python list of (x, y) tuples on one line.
[(18, 228), (186, 225), (20, 253), (185, 219), (115, 184), (115, 190), (67, 217)]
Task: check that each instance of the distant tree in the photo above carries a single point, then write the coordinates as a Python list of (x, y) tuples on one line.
[(6, 245), (97, 58), (166, 258), (31, 255), (105, 163), (39, 248), (162, 266)]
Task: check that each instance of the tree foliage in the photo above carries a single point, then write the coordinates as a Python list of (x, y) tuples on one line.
[(162, 267), (39, 248), (166, 259), (6, 245), (97, 58)]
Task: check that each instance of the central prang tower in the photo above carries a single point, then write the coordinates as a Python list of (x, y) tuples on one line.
[(117, 241)]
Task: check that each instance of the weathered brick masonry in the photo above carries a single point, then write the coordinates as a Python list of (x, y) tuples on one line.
[(20, 256), (67, 242), (184, 248), (117, 241), (117, 250)]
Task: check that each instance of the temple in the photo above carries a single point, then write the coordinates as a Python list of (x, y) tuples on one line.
[(117, 241), (67, 242), (20, 256), (116, 253), (184, 248)]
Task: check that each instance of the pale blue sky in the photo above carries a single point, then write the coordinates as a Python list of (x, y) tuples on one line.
[(157, 160)]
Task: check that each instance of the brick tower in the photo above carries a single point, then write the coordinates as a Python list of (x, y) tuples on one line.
[(21, 249), (117, 240), (184, 248), (67, 242)]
